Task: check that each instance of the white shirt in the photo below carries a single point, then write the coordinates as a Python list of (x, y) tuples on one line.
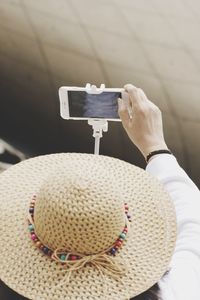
[(183, 280)]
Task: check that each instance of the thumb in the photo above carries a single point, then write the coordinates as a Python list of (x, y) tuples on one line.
[(123, 112)]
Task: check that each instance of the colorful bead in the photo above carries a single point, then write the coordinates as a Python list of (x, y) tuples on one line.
[(125, 230), (118, 243), (113, 251), (63, 257), (31, 210), (31, 227), (33, 237), (45, 250), (73, 257), (122, 236), (38, 244)]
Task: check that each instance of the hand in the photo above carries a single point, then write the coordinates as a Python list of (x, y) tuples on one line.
[(144, 127)]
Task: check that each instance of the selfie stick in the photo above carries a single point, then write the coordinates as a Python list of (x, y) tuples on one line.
[(98, 125)]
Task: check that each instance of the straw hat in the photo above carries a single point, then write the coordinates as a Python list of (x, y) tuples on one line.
[(81, 226)]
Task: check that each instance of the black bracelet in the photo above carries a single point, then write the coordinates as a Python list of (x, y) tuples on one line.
[(157, 152)]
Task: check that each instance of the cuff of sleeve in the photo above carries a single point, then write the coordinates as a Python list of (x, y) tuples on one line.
[(164, 165), (160, 162)]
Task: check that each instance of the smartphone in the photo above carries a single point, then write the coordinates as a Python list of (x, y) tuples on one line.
[(79, 103)]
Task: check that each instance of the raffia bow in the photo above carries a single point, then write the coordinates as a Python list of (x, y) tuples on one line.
[(106, 264)]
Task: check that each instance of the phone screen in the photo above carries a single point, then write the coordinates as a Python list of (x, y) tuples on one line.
[(84, 105)]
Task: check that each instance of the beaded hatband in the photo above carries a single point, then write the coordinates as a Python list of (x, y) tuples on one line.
[(64, 256)]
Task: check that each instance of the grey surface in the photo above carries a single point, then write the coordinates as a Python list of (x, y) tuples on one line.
[(45, 44), (153, 44)]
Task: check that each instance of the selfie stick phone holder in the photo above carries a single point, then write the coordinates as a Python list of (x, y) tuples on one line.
[(98, 125)]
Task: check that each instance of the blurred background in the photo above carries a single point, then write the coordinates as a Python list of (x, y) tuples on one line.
[(45, 44)]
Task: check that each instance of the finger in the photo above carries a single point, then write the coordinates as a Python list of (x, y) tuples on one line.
[(129, 86), (135, 96), (142, 95), (126, 98), (123, 111)]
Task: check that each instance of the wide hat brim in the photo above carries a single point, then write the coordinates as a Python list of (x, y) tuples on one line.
[(147, 251)]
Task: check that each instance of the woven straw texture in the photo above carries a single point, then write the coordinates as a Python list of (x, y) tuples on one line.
[(80, 206)]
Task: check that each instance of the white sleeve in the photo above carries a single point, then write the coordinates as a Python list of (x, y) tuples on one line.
[(183, 280)]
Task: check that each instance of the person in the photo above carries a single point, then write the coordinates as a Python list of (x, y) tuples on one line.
[(76, 208), (145, 129)]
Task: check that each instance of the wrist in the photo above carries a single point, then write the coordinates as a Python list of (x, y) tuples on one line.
[(149, 149), (156, 153)]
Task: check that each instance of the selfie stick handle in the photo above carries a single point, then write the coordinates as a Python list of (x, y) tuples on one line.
[(98, 127), (97, 145)]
